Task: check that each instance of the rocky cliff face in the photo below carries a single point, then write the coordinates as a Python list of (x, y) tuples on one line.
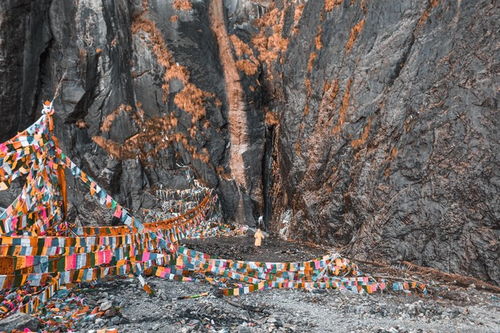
[(370, 125)]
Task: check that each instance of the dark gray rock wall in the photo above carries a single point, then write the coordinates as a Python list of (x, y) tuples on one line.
[(115, 57), (393, 149), (24, 38), (372, 125)]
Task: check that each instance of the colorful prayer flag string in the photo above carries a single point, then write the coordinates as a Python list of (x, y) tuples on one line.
[(37, 256)]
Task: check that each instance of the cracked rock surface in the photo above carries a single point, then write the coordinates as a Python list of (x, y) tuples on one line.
[(388, 139)]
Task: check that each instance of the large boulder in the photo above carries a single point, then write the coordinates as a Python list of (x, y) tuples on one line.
[(19, 321)]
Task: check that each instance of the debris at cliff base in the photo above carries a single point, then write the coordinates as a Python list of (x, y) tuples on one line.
[(41, 284), (121, 304), (242, 248)]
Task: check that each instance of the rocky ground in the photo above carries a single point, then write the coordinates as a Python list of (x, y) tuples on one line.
[(121, 304)]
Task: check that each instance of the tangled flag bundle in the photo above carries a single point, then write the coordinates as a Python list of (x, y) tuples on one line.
[(40, 251)]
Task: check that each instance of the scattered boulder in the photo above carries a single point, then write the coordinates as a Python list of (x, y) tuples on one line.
[(19, 321)]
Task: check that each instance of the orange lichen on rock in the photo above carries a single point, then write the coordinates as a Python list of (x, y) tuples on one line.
[(296, 18), (427, 12), (298, 148), (159, 48), (177, 72), (317, 41), (156, 134), (269, 41), (182, 5), (247, 62), (331, 4), (110, 118), (316, 144), (310, 62), (271, 119), (298, 12), (192, 100), (343, 107), (240, 47), (364, 136), (307, 84), (81, 124), (330, 91), (355, 31), (363, 6), (277, 42), (393, 153), (270, 47), (306, 110), (192, 131), (174, 18), (247, 66), (113, 148)]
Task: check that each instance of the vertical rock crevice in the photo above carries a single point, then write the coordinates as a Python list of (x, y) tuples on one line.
[(239, 135), (238, 128)]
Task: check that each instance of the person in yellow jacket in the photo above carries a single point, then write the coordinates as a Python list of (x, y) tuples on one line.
[(259, 235)]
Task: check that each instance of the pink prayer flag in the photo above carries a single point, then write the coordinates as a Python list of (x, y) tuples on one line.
[(14, 223), (29, 261), (118, 212)]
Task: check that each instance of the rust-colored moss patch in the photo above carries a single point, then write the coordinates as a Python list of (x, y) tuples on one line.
[(343, 107), (240, 48), (297, 14), (307, 84), (110, 118), (355, 31), (247, 66), (269, 41), (310, 62), (247, 62), (317, 41), (364, 136), (427, 12), (182, 5), (192, 100), (113, 148), (271, 118), (331, 4)]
